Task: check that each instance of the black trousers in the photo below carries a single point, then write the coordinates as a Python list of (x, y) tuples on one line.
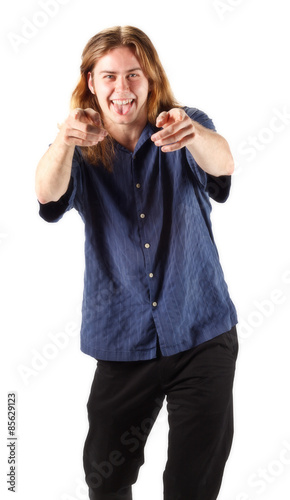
[(124, 403)]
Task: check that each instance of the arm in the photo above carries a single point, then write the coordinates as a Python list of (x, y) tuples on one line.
[(210, 150), (81, 128)]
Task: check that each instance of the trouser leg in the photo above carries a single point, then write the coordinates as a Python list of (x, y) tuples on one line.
[(200, 409), (122, 408)]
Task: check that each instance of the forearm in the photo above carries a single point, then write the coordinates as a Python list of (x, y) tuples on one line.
[(83, 127), (54, 171), (211, 151)]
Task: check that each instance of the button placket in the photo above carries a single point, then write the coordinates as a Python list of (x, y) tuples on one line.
[(146, 245)]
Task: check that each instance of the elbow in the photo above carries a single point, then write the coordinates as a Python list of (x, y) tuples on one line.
[(42, 200), (39, 189), (230, 166), (42, 195), (45, 196), (227, 167), (228, 162)]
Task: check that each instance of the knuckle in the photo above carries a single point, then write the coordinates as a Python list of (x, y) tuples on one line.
[(76, 112), (180, 113)]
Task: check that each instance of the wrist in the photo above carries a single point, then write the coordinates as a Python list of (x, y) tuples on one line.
[(61, 140)]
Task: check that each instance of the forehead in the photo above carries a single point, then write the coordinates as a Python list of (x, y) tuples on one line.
[(121, 59)]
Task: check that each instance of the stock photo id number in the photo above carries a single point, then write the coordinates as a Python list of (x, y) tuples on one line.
[(12, 442)]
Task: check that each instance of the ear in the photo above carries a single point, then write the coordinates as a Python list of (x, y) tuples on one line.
[(90, 82)]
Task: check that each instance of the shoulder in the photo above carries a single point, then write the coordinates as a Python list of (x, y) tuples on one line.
[(200, 117)]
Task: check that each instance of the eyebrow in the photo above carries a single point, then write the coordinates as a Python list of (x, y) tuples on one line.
[(115, 72)]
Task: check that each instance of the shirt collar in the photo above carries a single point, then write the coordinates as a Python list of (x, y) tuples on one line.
[(146, 133)]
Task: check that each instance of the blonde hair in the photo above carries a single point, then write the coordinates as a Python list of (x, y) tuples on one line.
[(160, 97)]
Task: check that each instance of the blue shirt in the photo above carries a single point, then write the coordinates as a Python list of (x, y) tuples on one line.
[(151, 264)]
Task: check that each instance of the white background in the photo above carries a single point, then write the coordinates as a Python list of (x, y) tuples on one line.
[(230, 59)]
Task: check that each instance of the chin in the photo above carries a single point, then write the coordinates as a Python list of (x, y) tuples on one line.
[(122, 119)]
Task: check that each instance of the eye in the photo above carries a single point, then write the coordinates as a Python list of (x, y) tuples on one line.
[(108, 77), (133, 75)]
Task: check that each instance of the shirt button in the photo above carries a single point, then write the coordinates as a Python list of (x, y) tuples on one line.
[(142, 216), (138, 185), (147, 245), (154, 304), (151, 275)]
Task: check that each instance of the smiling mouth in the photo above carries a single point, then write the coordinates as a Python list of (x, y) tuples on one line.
[(122, 106), (122, 101)]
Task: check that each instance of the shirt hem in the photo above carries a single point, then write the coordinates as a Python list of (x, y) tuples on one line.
[(148, 354), (133, 355)]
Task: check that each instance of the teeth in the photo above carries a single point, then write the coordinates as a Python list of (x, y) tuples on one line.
[(127, 101)]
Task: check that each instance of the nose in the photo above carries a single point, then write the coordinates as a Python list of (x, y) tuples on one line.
[(121, 84)]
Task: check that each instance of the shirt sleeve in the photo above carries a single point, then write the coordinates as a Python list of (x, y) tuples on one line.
[(218, 188), (54, 210)]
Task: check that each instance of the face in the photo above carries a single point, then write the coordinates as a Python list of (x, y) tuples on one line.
[(121, 88)]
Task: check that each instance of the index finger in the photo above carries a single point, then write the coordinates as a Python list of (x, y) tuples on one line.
[(176, 115), (161, 119)]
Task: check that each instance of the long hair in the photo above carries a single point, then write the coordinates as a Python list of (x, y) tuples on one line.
[(160, 97)]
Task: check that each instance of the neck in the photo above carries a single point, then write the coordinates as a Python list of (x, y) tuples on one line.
[(126, 135)]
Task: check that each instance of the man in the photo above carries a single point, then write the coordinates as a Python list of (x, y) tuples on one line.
[(157, 316)]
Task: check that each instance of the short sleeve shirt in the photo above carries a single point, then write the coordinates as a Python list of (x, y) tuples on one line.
[(152, 270)]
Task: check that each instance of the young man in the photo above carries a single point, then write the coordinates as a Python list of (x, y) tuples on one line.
[(157, 316)]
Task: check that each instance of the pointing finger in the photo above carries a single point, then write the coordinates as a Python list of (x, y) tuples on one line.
[(162, 119)]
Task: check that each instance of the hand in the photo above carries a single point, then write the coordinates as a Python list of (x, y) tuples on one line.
[(83, 127), (178, 130)]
